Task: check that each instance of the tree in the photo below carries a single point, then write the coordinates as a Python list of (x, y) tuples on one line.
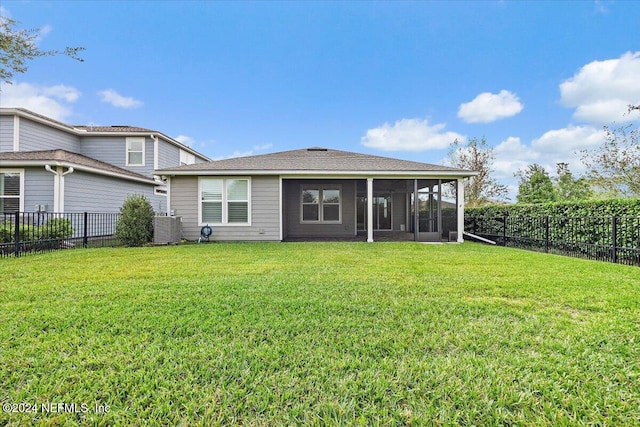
[(17, 47), (135, 225), (477, 156), (567, 187), (535, 185), (614, 166)]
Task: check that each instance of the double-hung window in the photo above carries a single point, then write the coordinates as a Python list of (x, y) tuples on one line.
[(11, 190), (225, 201), (135, 151), (321, 204)]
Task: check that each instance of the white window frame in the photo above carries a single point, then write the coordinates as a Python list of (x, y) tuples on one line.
[(225, 201), (20, 198), (128, 150), (186, 158), (321, 188)]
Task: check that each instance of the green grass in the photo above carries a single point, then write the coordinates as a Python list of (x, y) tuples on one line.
[(320, 334)]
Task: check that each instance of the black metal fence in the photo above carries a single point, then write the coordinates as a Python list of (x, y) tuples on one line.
[(615, 239), (33, 232)]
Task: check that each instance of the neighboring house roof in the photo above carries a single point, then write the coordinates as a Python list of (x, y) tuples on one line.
[(116, 128), (69, 159), (315, 161), (84, 130)]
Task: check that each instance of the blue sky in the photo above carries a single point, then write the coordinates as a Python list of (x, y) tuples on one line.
[(398, 79)]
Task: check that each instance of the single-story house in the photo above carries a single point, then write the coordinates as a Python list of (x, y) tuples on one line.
[(317, 193)]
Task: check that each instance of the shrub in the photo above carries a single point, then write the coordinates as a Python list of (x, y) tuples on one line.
[(6, 232), (25, 232), (588, 208), (56, 228), (135, 226)]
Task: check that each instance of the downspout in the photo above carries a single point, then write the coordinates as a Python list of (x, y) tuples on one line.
[(156, 155), (58, 186), (16, 133)]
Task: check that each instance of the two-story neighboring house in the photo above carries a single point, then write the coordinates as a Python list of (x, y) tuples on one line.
[(49, 166)]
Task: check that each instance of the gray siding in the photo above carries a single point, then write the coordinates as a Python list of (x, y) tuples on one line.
[(113, 149), (38, 189), (6, 133), (37, 137), (294, 227), (168, 155), (97, 193), (265, 222)]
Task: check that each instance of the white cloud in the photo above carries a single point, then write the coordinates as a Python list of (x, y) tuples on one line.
[(601, 90), (50, 101), (568, 140), (555, 146), (42, 33), (186, 140), (489, 107), (511, 155), (409, 135), (112, 97), (4, 12), (253, 151)]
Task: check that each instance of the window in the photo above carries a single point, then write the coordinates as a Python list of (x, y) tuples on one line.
[(11, 189), (321, 204), (186, 158), (135, 151), (224, 201)]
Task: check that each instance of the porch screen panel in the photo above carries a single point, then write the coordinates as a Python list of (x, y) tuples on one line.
[(238, 200), (211, 200)]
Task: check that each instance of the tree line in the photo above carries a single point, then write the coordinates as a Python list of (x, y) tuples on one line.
[(612, 171)]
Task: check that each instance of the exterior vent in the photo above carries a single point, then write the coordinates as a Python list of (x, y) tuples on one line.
[(167, 229), (316, 149)]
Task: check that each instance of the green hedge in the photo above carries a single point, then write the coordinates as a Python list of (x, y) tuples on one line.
[(54, 229), (584, 227), (588, 208)]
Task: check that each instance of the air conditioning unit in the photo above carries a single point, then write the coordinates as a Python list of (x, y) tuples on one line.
[(167, 229)]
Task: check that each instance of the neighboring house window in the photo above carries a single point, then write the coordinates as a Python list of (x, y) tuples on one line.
[(186, 158), (11, 190), (135, 151), (321, 204), (225, 201)]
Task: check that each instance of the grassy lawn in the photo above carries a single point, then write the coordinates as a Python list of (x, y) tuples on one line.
[(319, 334)]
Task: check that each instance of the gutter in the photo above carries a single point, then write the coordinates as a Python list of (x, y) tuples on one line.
[(315, 173), (75, 167)]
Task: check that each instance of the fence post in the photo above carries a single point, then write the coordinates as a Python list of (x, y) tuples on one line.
[(85, 237), (504, 230), (614, 239), (475, 225), (16, 235), (546, 234)]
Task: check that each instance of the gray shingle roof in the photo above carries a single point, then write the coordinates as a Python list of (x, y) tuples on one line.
[(70, 159), (83, 130), (116, 128), (315, 159)]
